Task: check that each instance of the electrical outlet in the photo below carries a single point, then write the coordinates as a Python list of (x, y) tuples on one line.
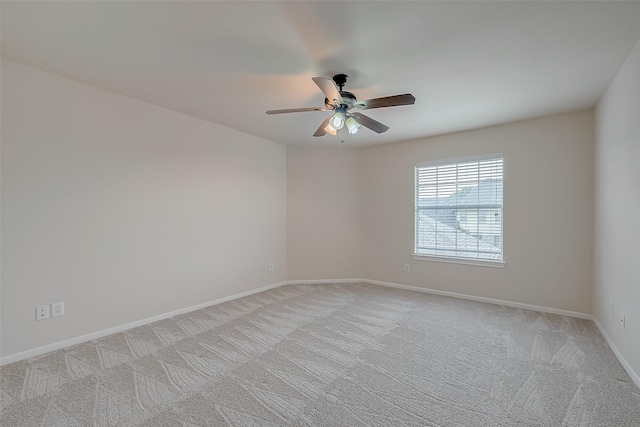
[(42, 312), (57, 309), (407, 267), (270, 266)]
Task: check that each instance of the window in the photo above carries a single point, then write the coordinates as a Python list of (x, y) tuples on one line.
[(454, 199)]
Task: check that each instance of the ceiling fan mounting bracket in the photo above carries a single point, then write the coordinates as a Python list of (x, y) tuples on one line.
[(341, 80)]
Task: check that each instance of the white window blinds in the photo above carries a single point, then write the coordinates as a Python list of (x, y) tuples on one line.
[(458, 208)]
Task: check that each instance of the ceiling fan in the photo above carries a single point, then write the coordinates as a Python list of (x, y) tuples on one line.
[(347, 108)]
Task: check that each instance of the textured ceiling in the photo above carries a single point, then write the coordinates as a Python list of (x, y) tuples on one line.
[(469, 64)]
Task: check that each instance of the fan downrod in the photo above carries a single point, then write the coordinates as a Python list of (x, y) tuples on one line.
[(340, 80)]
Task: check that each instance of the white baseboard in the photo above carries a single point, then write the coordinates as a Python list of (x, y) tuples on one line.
[(531, 307), (99, 334), (627, 367), (317, 281), (483, 299)]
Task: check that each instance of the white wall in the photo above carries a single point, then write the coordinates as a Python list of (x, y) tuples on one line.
[(124, 210), (617, 217), (548, 212), (324, 213)]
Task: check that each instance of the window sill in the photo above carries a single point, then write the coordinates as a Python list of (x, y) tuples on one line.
[(467, 261)]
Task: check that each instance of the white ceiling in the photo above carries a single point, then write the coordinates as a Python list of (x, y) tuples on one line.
[(469, 64)]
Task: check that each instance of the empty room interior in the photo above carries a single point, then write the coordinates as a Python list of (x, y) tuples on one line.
[(353, 213)]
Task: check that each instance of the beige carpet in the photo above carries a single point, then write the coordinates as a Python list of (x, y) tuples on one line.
[(331, 355)]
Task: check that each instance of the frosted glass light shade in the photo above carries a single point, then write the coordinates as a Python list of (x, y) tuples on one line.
[(352, 125), (330, 129), (337, 121)]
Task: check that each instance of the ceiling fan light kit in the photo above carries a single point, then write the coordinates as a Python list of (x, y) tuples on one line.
[(346, 107)]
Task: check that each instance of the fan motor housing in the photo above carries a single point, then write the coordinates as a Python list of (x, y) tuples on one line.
[(347, 97)]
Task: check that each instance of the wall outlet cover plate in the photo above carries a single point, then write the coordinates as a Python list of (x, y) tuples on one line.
[(57, 309)]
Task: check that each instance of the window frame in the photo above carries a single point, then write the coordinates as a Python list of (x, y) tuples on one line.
[(457, 259)]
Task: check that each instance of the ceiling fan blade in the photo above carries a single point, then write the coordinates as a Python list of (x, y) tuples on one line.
[(368, 122), (320, 131), (296, 110), (329, 88), (387, 101)]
